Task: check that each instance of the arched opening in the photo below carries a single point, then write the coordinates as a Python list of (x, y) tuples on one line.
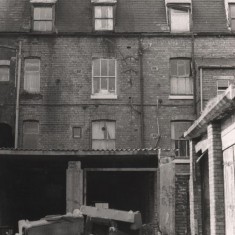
[(6, 136)]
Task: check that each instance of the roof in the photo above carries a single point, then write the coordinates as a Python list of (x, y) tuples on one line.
[(132, 16), (216, 109)]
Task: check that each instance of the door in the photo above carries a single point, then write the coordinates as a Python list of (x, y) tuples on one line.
[(229, 189)]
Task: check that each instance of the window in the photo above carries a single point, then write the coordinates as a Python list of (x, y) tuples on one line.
[(179, 143), (4, 73), (77, 132), (104, 77), (232, 16), (30, 134), (222, 85), (103, 134), (180, 77), (103, 17), (179, 17), (42, 18), (32, 75)]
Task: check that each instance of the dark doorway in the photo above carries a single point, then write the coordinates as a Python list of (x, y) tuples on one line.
[(122, 191), (32, 190), (6, 136), (204, 167)]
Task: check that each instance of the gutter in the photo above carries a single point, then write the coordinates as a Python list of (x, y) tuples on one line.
[(18, 94), (142, 127)]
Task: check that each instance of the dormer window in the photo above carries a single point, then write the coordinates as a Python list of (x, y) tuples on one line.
[(178, 12), (43, 15), (232, 16), (103, 11)]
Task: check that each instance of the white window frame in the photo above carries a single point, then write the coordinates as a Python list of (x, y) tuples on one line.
[(28, 87), (96, 19), (42, 27), (104, 94), (187, 77), (219, 90), (106, 141), (173, 13), (75, 136)]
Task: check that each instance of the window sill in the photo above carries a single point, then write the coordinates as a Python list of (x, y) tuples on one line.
[(29, 95), (104, 96), (181, 97)]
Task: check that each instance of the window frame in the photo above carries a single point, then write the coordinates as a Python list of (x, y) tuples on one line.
[(231, 4), (174, 140), (36, 134), (177, 94), (80, 132), (43, 5), (100, 94), (170, 10), (221, 91), (105, 139), (8, 70), (36, 90)]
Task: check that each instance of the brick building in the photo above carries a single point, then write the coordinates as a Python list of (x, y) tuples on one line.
[(107, 74)]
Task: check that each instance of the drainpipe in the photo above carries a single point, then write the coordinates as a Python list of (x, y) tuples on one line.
[(18, 94), (201, 98), (142, 130)]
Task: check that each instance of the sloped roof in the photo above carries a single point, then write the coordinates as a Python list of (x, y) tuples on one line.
[(132, 16)]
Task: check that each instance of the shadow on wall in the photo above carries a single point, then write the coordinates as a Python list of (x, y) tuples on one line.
[(6, 136)]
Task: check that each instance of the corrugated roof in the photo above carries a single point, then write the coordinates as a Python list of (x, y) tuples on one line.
[(132, 16)]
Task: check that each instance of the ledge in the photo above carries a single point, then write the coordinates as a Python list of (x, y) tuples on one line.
[(181, 97), (104, 97), (43, 1)]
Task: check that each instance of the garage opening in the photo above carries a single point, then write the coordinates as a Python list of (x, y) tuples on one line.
[(6, 136), (122, 191), (32, 191)]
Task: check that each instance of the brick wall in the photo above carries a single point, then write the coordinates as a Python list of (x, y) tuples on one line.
[(216, 182), (182, 225)]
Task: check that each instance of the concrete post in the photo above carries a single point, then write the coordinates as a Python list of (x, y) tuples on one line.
[(74, 186), (217, 215)]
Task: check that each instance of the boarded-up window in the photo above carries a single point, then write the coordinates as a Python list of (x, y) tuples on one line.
[(77, 132), (4, 73), (103, 17), (232, 16), (222, 85), (32, 75), (177, 130), (42, 18), (30, 134), (180, 77), (104, 76), (179, 17), (103, 134)]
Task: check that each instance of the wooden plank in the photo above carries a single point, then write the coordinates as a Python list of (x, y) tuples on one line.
[(111, 214), (121, 169)]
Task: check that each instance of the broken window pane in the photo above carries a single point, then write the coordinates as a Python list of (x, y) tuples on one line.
[(103, 134)]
